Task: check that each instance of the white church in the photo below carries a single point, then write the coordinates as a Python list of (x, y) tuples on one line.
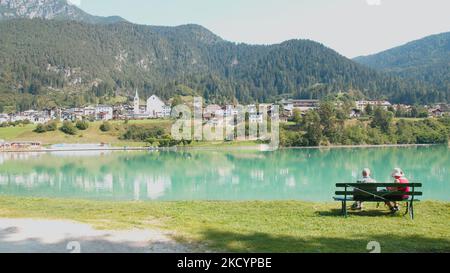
[(155, 108)]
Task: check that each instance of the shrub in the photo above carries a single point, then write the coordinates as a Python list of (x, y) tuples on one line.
[(355, 135), (105, 127), (40, 128), (48, 127), (166, 141), (139, 133), (51, 126), (292, 139), (68, 128), (82, 125)]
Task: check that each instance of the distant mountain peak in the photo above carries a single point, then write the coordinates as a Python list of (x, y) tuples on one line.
[(49, 9)]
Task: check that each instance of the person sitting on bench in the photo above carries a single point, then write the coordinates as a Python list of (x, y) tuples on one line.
[(400, 178), (360, 192)]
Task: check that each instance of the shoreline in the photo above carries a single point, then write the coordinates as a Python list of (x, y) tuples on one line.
[(261, 148), (363, 146)]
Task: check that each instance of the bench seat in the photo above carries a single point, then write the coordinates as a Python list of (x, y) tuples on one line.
[(373, 192)]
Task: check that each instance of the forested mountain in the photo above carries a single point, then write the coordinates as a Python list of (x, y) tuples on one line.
[(67, 62), (49, 9), (427, 60)]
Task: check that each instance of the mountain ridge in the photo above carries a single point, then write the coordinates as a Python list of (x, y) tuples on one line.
[(50, 9), (67, 61), (426, 59)]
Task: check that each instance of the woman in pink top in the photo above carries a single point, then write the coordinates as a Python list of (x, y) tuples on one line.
[(400, 178)]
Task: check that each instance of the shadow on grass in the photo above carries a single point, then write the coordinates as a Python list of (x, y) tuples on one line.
[(366, 213), (263, 242), (9, 243)]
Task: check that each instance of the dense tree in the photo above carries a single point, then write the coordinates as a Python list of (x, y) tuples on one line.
[(312, 127), (297, 116), (382, 120), (368, 110), (68, 64), (328, 120)]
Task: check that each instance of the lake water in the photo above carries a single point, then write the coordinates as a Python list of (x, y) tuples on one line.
[(304, 174)]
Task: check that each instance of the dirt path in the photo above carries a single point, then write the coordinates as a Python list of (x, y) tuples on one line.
[(49, 236)]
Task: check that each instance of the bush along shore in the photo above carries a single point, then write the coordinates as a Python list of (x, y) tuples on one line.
[(330, 125)]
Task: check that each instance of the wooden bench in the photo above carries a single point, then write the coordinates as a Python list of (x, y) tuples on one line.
[(372, 192)]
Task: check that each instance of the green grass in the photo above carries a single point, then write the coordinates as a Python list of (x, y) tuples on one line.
[(256, 226), (12, 133), (92, 135)]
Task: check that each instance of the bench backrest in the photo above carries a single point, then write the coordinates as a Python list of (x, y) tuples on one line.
[(373, 191)]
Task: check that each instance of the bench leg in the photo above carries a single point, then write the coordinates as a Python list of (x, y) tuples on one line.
[(411, 210), (345, 208), (407, 209)]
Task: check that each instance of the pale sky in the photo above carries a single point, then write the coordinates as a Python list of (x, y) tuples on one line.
[(351, 27)]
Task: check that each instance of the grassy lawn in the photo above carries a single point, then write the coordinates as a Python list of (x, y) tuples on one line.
[(256, 226), (12, 133), (92, 135)]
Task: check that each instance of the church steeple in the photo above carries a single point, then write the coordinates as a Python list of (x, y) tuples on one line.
[(136, 109)]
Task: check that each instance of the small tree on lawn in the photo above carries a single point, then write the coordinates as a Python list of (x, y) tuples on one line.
[(68, 128)]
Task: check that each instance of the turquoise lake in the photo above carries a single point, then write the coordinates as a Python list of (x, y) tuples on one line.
[(297, 174)]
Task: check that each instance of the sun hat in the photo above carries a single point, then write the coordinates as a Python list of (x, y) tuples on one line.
[(397, 172)]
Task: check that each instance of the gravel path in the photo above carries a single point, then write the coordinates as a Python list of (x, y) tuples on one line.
[(49, 236)]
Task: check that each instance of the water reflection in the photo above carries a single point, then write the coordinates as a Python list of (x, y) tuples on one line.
[(288, 174)]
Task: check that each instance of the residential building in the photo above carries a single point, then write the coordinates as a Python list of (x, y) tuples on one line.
[(213, 110), (4, 118), (89, 111), (256, 118), (167, 111), (302, 105), (252, 109), (230, 110), (156, 108), (40, 119), (103, 112), (436, 112), (362, 104)]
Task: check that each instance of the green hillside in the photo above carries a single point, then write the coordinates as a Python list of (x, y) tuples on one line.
[(427, 60), (48, 62)]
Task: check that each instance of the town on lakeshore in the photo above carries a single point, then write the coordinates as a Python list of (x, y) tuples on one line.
[(156, 108), (213, 115)]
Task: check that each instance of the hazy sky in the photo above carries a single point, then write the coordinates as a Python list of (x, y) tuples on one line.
[(351, 27)]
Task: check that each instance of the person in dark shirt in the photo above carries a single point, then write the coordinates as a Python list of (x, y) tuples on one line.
[(366, 178)]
